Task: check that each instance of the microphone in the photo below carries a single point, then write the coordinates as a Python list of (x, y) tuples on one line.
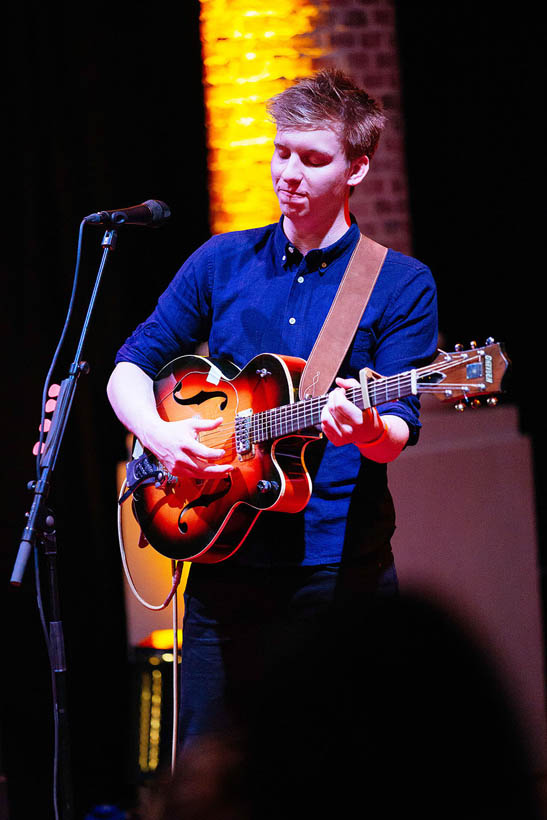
[(153, 212)]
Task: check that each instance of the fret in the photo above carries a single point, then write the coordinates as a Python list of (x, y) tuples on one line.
[(273, 427)]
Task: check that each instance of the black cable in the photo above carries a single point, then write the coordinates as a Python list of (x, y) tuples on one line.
[(40, 605), (47, 639), (58, 348)]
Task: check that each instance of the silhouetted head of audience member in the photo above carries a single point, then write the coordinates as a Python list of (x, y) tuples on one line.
[(385, 708)]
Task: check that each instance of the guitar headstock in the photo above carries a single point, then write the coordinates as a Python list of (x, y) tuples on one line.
[(464, 377)]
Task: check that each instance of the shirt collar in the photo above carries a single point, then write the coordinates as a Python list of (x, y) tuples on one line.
[(319, 258)]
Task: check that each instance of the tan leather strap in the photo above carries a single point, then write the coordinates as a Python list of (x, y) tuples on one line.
[(343, 318)]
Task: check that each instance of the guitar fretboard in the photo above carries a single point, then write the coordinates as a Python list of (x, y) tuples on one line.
[(293, 418)]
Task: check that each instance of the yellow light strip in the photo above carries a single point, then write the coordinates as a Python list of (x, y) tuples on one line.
[(150, 720), (251, 51), (155, 721), (144, 721)]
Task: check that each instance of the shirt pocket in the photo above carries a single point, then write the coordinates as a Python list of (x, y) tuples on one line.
[(362, 350)]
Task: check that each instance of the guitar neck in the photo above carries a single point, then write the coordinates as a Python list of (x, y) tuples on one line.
[(290, 419), (452, 377)]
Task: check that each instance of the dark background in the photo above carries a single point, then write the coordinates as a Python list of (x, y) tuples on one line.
[(103, 109)]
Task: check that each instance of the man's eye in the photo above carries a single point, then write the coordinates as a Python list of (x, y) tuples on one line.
[(317, 161)]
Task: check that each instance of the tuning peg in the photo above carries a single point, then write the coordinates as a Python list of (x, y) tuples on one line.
[(490, 340), (460, 406), (458, 347), (491, 401), (473, 345), (476, 403)]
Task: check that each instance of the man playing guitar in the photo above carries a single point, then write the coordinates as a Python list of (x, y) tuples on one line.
[(269, 289)]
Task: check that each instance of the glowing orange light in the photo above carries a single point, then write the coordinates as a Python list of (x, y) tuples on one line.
[(161, 639), (251, 51)]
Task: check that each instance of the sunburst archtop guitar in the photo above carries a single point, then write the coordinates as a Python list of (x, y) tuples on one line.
[(264, 433)]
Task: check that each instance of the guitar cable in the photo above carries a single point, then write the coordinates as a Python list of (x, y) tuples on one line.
[(180, 571)]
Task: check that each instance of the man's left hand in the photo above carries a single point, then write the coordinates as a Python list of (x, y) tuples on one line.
[(344, 423), (379, 438)]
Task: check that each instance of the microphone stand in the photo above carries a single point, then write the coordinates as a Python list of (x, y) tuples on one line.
[(40, 532)]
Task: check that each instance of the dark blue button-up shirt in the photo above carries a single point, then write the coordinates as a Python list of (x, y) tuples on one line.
[(251, 292)]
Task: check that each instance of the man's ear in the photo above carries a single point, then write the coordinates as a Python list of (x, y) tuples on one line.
[(358, 170)]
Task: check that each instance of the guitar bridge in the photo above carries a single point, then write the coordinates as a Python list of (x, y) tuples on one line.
[(244, 447)]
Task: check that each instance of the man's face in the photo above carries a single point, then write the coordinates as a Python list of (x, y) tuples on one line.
[(310, 173)]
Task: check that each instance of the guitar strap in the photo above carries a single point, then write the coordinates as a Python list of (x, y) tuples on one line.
[(342, 321)]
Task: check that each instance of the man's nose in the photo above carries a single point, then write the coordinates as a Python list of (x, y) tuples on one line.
[(293, 168)]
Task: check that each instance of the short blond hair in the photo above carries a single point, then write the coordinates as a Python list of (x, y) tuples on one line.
[(331, 98)]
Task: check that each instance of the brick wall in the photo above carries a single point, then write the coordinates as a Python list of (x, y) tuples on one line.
[(359, 37)]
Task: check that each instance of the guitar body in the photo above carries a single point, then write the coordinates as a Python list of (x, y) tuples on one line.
[(207, 521)]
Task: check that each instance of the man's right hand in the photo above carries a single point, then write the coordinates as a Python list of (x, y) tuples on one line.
[(177, 446)]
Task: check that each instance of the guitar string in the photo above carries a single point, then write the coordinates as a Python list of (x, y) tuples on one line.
[(285, 414), (292, 421), (222, 439)]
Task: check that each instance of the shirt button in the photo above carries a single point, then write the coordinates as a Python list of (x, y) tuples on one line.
[(292, 320), (290, 249), (283, 258), (300, 279), (323, 264)]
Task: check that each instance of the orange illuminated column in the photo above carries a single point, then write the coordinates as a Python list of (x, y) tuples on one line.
[(251, 51)]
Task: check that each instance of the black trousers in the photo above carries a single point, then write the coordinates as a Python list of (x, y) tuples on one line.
[(243, 624)]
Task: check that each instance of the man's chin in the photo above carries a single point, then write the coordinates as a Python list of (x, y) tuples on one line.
[(293, 207)]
